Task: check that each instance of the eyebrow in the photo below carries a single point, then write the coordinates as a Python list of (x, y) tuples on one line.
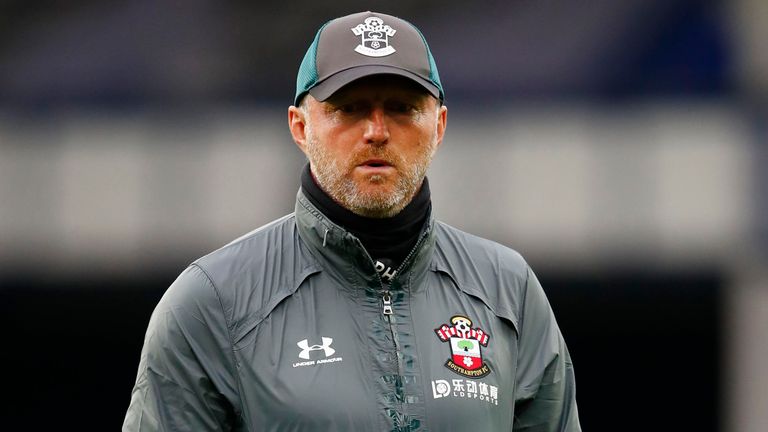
[(352, 96)]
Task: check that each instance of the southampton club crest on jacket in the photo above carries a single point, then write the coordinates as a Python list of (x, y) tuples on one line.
[(466, 357)]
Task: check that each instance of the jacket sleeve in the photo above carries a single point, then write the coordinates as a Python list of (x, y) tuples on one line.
[(545, 391), (186, 372)]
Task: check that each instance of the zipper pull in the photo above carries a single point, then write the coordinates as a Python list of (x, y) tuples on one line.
[(387, 303)]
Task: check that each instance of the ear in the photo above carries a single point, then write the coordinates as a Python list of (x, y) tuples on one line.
[(297, 125), (442, 121)]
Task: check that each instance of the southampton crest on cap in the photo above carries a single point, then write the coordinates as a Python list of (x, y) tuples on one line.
[(374, 36), (466, 357)]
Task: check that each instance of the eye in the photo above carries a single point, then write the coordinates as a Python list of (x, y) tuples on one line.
[(400, 107), (352, 107), (348, 108)]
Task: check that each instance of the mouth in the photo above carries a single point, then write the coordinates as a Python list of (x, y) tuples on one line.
[(375, 163)]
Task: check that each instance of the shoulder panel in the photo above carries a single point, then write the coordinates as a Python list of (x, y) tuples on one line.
[(494, 273), (253, 273)]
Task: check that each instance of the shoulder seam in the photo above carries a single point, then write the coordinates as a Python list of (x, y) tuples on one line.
[(246, 236)]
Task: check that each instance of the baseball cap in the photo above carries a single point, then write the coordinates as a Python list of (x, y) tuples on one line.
[(362, 44)]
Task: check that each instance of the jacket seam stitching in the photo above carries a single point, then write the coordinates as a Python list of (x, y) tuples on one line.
[(289, 288), (525, 296), (522, 319), (471, 291), (316, 213), (143, 397), (238, 411)]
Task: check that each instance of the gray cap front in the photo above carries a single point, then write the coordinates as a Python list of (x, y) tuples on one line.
[(363, 44)]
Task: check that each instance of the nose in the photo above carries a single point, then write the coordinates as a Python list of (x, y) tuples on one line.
[(376, 129)]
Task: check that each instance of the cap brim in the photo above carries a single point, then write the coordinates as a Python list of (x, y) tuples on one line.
[(324, 89)]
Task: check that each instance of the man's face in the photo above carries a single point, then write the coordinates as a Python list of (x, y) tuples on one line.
[(369, 145)]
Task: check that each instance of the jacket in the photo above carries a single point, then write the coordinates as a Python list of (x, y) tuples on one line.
[(290, 328)]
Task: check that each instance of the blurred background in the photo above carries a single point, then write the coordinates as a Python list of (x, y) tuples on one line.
[(618, 145)]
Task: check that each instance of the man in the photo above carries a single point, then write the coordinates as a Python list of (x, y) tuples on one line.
[(359, 311)]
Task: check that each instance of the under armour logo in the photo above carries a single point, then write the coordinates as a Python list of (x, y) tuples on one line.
[(305, 348)]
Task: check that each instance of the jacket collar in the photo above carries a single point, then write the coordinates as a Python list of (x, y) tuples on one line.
[(345, 255)]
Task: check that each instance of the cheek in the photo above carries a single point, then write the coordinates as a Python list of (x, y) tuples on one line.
[(326, 140), (427, 143)]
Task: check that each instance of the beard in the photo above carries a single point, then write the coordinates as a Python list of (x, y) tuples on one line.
[(379, 199)]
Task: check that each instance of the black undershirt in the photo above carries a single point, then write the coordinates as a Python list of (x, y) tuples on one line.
[(387, 240)]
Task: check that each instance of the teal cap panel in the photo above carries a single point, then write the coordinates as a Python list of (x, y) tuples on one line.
[(307, 76)]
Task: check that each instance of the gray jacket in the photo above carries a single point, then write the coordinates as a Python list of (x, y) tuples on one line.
[(290, 328)]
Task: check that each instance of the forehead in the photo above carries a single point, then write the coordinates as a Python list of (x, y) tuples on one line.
[(381, 86)]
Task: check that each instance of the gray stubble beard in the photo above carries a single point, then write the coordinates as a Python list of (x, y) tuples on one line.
[(331, 177)]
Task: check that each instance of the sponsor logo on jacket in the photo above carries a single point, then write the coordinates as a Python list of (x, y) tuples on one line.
[(466, 389)]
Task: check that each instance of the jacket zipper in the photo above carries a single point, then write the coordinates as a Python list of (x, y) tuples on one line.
[(387, 300), (400, 418), (388, 312)]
